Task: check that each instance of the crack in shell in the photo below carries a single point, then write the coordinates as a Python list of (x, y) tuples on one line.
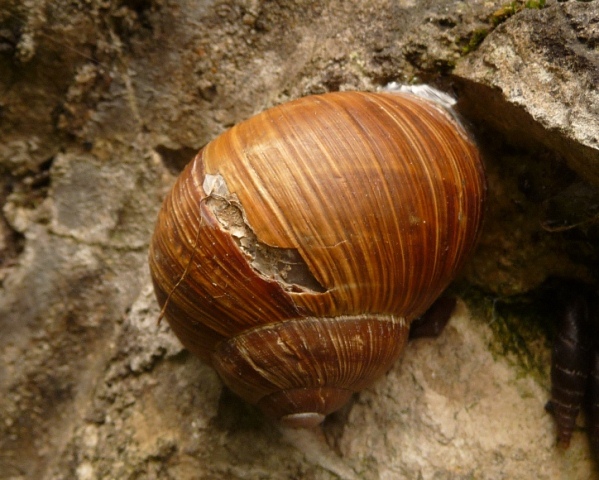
[(285, 265)]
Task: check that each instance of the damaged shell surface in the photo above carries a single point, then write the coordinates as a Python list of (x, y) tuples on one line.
[(296, 248)]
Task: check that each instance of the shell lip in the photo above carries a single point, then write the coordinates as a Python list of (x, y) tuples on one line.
[(302, 420), (304, 407)]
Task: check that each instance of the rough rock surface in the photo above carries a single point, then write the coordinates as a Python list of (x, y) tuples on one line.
[(101, 103), (535, 79), (531, 86)]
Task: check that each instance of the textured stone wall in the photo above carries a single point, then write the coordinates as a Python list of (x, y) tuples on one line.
[(102, 103)]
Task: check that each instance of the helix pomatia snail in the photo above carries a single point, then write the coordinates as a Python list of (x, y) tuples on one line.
[(296, 248)]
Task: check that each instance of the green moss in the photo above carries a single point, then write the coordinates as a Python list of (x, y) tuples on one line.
[(498, 17), (476, 38), (510, 9), (523, 327), (538, 4), (501, 15)]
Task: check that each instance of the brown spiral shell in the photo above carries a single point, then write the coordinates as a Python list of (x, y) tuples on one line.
[(296, 248)]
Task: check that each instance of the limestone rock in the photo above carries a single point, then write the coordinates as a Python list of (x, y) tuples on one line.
[(101, 104)]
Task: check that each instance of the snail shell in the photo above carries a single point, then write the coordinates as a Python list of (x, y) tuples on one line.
[(570, 366), (295, 249), (575, 364)]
